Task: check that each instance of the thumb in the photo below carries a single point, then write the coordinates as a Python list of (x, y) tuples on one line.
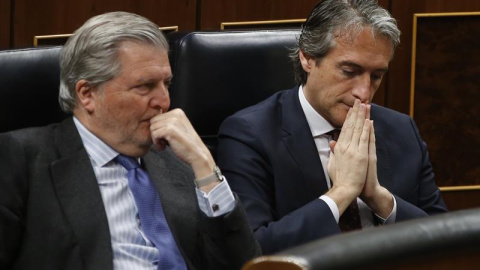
[(332, 147)]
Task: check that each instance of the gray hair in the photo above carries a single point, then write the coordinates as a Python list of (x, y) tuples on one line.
[(91, 53), (332, 18)]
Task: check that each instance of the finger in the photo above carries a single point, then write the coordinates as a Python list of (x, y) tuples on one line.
[(372, 149), (369, 107), (372, 156), (331, 167), (332, 146), (359, 124), (364, 142), (349, 124)]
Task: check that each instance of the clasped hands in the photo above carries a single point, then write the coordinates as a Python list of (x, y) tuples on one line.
[(353, 164), (174, 128)]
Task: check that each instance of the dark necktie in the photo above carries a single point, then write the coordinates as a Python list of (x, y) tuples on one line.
[(151, 214), (350, 219)]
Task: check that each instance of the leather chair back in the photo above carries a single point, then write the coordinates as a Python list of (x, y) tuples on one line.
[(445, 241), (29, 81), (216, 74)]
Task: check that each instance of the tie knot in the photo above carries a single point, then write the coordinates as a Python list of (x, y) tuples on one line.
[(335, 133), (128, 163)]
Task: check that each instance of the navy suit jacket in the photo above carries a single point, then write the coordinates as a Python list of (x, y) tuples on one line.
[(52, 214), (270, 160)]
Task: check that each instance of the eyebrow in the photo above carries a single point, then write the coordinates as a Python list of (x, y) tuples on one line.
[(150, 80), (357, 66)]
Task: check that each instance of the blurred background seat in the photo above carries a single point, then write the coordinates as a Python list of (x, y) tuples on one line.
[(29, 80), (219, 73)]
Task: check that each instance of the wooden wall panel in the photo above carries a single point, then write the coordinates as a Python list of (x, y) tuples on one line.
[(5, 6), (462, 199), (214, 12), (50, 17), (447, 81), (398, 85)]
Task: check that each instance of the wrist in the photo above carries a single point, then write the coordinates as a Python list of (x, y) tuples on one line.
[(209, 182), (342, 196), (203, 166), (380, 201)]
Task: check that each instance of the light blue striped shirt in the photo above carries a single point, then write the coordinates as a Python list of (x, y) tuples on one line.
[(131, 248)]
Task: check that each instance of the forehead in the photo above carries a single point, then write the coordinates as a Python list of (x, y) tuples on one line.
[(363, 48), (139, 58)]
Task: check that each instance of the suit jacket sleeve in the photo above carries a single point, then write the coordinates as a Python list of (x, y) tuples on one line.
[(228, 242), (13, 191), (428, 200), (244, 160)]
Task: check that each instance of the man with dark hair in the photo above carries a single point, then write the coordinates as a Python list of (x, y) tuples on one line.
[(92, 193), (296, 178)]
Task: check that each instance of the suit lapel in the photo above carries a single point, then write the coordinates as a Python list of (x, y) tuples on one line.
[(384, 169), (299, 142), (79, 196), (174, 182)]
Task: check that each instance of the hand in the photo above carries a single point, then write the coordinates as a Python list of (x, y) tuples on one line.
[(348, 162), (174, 128), (375, 196)]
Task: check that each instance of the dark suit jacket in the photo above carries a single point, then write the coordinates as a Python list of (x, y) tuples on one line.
[(52, 215), (270, 160)]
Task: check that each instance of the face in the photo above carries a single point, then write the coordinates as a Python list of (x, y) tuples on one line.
[(123, 106), (353, 69)]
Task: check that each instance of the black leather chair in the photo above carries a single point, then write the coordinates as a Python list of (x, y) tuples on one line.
[(29, 81), (447, 241), (219, 73), (215, 75)]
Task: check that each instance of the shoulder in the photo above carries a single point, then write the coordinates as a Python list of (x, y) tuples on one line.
[(393, 124), (263, 113), (29, 138)]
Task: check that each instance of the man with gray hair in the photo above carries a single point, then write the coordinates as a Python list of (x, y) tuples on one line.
[(320, 159), (92, 193)]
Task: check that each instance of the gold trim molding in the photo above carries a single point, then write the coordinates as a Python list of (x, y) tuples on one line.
[(38, 39), (459, 188), (227, 25)]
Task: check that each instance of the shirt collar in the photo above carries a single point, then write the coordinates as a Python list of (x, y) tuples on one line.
[(318, 125), (98, 151)]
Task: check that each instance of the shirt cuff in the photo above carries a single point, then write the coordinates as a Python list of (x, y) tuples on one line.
[(391, 218), (218, 201), (332, 205)]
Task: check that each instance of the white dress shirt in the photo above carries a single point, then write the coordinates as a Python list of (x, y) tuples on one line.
[(319, 126), (131, 248)]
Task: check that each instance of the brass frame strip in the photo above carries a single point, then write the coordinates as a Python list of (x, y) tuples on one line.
[(226, 24), (459, 188), (37, 38)]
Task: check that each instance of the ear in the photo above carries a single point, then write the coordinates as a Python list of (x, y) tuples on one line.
[(85, 95), (307, 61)]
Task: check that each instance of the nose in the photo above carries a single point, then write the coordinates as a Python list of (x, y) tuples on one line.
[(363, 88), (160, 98)]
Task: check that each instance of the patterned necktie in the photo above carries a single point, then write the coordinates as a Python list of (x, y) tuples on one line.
[(151, 214), (350, 219)]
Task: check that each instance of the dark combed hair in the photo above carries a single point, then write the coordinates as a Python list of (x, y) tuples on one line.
[(330, 19)]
